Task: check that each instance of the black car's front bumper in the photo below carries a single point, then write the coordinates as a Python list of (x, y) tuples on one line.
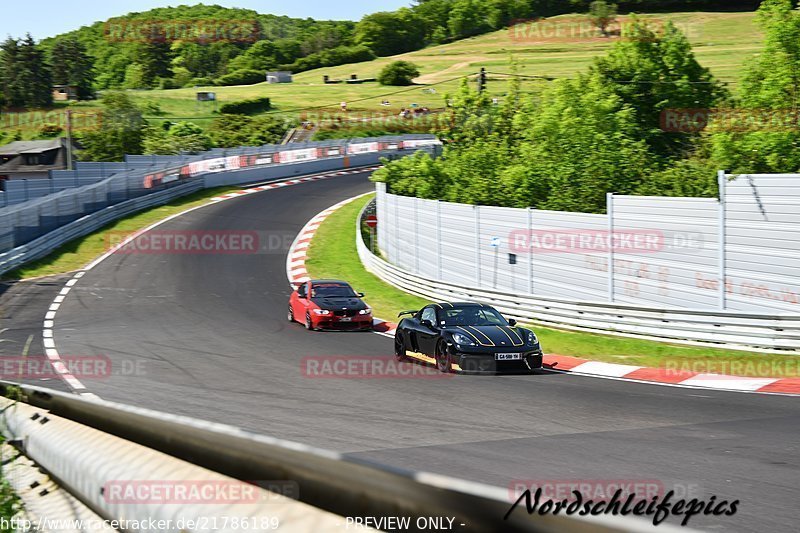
[(465, 360)]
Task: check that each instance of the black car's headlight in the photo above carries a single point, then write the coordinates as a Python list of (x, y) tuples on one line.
[(532, 339), (365, 311), (463, 340)]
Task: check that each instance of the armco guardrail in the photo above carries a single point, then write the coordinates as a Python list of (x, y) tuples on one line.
[(87, 444), (31, 230), (733, 329), (42, 246)]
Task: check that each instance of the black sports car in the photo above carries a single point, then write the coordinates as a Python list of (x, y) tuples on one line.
[(468, 337)]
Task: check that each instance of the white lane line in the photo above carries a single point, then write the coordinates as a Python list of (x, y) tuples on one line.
[(716, 381), (598, 368), (49, 322)]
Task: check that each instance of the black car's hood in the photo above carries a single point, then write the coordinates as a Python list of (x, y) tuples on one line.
[(339, 303), (499, 336)]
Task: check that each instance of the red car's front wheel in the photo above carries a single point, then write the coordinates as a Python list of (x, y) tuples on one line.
[(309, 323)]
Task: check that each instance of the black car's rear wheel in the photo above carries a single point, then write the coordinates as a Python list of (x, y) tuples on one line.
[(443, 360), (399, 348)]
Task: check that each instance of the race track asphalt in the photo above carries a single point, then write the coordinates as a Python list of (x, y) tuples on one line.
[(207, 336)]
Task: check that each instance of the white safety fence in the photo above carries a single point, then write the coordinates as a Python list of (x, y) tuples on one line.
[(738, 254), (769, 331)]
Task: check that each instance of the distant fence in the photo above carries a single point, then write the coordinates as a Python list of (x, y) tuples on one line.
[(138, 176), (738, 254)]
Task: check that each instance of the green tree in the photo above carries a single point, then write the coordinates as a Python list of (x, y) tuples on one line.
[(398, 73), (25, 77), (655, 72), (230, 131), (467, 18), (388, 33), (72, 66), (602, 14), (176, 138), (121, 130), (771, 83)]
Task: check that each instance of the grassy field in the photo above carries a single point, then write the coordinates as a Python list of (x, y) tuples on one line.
[(331, 256), (724, 42), (79, 252)]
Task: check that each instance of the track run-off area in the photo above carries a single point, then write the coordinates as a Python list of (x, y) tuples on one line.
[(206, 335)]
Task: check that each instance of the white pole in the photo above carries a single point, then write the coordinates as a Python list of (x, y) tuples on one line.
[(722, 180), (610, 209), (530, 250), (477, 212)]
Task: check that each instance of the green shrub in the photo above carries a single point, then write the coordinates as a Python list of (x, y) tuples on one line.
[(398, 73), (200, 82), (242, 77), (246, 107), (50, 130)]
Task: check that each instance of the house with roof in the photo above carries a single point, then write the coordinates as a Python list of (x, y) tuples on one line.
[(33, 159)]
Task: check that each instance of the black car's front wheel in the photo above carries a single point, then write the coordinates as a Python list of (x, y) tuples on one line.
[(399, 348), (443, 360)]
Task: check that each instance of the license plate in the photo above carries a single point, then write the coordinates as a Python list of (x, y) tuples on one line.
[(345, 319), (508, 356)]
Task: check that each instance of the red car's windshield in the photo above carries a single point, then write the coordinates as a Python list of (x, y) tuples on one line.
[(332, 291)]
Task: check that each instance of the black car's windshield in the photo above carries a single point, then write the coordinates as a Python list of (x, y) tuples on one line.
[(473, 316), (331, 290)]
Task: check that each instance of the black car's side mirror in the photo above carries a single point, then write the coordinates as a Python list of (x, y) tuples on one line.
[(360, 294), (426, 323), (512, 322)]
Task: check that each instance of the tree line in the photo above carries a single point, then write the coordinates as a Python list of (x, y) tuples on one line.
[(572, 141)]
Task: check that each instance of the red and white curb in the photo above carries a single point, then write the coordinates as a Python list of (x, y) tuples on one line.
[(672, 377), (290, 182), (48, 339), (297, 273), (296, 270)]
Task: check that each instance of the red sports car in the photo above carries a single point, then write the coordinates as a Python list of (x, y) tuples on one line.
[(329, 304)]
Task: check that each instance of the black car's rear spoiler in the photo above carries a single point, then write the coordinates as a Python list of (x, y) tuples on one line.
[(406, 313)]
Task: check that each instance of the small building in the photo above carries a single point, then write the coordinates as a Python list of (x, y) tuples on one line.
[(279, 76), (32, 159), (63, 93)]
